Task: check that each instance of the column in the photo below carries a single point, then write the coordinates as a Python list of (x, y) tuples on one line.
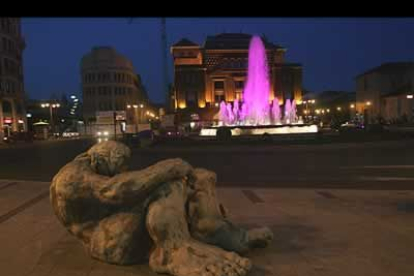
[(14, 115), (24, 117), (1, 121)]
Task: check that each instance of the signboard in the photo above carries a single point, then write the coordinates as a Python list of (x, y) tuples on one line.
[(168, 120), (107, 117)]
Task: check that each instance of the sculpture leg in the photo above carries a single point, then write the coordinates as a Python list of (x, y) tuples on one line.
[(120, 239), (175, 252), (207, 221)]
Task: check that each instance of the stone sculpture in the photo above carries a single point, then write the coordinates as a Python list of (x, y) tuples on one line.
[(166, 214)]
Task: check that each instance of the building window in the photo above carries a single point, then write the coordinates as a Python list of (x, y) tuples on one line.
[(218, 91), (7, 108), (6, 65), (191, 98), (239, 84), (219, 85), (4, 44)]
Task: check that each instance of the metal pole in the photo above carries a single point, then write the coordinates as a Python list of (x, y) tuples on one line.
[(164, 48), (114, 125), (136, 119), (52, 123)]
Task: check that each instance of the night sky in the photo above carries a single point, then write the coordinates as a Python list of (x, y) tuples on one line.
[(332, 50)]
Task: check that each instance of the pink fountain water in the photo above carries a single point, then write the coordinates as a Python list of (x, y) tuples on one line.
[(257, 89), (255, 109)]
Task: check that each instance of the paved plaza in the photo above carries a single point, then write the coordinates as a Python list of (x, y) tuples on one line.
[(317, 232)]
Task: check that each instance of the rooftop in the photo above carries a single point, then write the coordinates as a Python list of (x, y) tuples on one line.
[(185, 43), (390, 67)]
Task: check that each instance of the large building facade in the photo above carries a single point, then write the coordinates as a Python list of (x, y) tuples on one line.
[(386, 92), (12, 95), (109, 84), (217, 71)]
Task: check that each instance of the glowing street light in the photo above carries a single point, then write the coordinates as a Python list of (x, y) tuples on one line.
[(51, 107), (368, 103), (352, 106), (409, 96), (338, 108), (135, 106)]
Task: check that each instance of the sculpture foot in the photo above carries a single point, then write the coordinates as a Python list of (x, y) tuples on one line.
[(259, 237), (224, 234), (198, 259)]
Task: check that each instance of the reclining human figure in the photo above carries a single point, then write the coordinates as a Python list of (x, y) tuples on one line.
[(167, 213)]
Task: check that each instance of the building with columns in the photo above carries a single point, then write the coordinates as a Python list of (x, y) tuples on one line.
[(109, 84), (205, 75), (12, 95)]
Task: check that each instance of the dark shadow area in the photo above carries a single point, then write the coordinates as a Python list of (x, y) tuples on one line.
[(406, 206)]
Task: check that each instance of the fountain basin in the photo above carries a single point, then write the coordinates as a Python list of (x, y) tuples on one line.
[(262, 129)]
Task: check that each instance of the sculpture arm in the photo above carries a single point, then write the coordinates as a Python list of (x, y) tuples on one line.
[(136, 185)]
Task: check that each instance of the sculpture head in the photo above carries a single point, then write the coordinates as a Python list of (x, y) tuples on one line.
[(109, 158)]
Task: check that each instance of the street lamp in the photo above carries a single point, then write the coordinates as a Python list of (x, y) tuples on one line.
[(352, 106), (338, 108), (409, 96), (135, 107), (368, 103), (51, 106)]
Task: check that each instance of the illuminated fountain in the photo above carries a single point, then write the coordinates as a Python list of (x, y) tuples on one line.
[(256, 115)]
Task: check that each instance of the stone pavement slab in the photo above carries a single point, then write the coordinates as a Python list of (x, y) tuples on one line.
[(317, 232)]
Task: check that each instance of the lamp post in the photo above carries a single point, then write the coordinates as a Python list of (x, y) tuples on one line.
[(51, 106), (410, 97), (137, 114)]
